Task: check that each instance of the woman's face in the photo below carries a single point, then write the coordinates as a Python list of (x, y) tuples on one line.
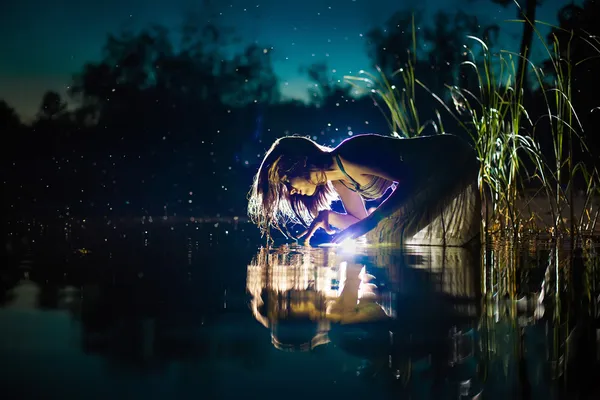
[(300, 186)]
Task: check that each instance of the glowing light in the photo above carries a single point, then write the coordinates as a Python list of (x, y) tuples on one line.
[(349, 246)]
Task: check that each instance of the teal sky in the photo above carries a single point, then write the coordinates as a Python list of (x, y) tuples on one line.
[(43, 43)]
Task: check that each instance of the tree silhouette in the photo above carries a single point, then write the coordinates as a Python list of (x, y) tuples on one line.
[(9, 120), (142, 72), (388, 46), (249, 78), (576, 35), (11, 128), (435, 51), (157, 119), (528, 15), (324, 91), (52, 106), (445, 42), (439, 47)]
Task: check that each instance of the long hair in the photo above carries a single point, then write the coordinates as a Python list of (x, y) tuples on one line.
[(269, 201)]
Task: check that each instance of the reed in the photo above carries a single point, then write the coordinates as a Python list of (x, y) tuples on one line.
[(505, 137), (567, 132), (400, 102)]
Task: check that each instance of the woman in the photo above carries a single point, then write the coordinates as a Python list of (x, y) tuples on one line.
[(435, 200)]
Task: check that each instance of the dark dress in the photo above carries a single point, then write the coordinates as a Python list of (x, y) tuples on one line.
[(443, 206)]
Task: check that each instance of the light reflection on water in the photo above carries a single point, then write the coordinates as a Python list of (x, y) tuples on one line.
[(506, 321), (160, 314), (410, 314)]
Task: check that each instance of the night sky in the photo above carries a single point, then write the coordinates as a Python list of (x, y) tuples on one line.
[(42, 43)]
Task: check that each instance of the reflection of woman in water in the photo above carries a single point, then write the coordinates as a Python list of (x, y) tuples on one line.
[(434, 179)]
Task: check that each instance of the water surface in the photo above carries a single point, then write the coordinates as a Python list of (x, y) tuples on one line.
[(187, 310)]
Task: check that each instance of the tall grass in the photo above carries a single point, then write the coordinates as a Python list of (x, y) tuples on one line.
[(505, 137), (401, 103)]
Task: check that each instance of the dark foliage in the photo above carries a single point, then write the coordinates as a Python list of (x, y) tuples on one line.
[(160, 127)]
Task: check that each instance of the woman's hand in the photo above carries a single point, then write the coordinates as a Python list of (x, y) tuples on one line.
[(357, 229), (321, 221)]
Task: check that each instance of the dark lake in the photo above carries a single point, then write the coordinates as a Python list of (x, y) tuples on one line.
[(182, 310)]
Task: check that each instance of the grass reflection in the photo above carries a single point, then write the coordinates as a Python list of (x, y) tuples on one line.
[(411, 314), (510, 320)]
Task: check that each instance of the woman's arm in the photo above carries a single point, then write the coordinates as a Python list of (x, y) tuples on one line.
[(341, 221), (327, 219), (382, 156), (353, 202), (406, 161)]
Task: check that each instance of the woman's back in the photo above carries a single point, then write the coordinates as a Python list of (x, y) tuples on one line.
[(411, 158)]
